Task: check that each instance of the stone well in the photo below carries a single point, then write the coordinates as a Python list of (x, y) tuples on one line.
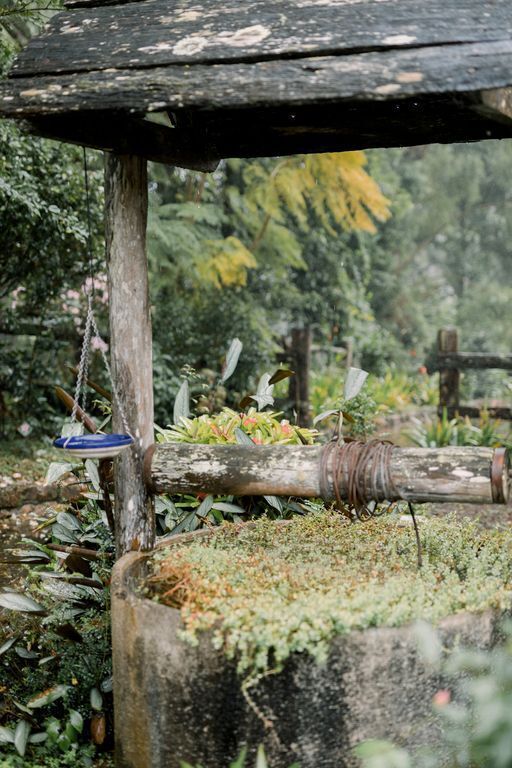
[(174, 702)]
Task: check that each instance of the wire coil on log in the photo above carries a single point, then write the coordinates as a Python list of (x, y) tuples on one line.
[(363, 469)]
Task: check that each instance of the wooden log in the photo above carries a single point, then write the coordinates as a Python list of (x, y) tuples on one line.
[(466, 474), (447, 342), (131, 347), (130, 135), (468, 360), (370, 77)]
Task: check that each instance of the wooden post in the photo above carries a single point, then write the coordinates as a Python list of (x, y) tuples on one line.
[(447, 341), (130, 343), (298, 388)]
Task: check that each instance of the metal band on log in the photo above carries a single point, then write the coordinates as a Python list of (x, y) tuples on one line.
[(452, 474)]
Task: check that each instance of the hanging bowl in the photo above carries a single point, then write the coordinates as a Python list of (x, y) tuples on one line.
[(94, 446)]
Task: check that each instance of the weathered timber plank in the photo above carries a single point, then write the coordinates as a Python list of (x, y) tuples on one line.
[(201, 137), (130, 344), (466, 360), (474, 413), (454, 474), (157, 32), (366, 77), (127, 135)]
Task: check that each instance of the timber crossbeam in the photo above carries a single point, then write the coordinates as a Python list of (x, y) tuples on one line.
[(453, 474)]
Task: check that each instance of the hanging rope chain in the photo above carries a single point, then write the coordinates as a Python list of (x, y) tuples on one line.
[(92, 327)]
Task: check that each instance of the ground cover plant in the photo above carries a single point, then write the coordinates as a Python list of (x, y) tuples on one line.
[(267, 591)]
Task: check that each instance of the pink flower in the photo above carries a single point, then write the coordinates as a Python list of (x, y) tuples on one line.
[(285, 427), (25, 429), (257, 440), (442, 698), (248, 421), (98, 343), (72, 294)]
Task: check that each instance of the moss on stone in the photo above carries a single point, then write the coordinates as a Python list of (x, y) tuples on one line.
[(268, 590)]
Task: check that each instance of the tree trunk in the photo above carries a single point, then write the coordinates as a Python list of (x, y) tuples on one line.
[(131, 344), (298, 388)]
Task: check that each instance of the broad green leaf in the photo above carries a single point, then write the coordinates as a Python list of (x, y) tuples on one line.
[(64, 534), (204, 506), (92, 471), (232, 509), (48, 697), (68, 521), (280, 375), (240, 761), (324, 415), (56, 470), (354, 381), (232, 357), (96, 700), (16, 602), (261, 760), (242, 437), (6, 735), (24, 653), (38, 738), (275, 502), (21, 735), (8, 644), (182, 403), (185, 523), (76, 720)]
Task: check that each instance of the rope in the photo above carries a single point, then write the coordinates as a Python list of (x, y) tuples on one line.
[(90, 326)]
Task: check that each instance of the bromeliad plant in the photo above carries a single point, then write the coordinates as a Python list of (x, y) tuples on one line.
[(458, 431), (254, 426)]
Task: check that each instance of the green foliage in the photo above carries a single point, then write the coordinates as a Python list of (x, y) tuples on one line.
[(187, 513), (56, 649), (477, 730), (263, 427), (241, 761), (459, 431), (268, 591)]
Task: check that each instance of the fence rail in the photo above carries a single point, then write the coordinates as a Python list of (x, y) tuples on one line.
[(449, 363)]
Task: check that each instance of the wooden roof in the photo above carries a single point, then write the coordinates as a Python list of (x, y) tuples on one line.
[(266, 77)]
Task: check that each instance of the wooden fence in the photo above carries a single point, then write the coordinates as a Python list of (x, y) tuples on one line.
[(450, 362)]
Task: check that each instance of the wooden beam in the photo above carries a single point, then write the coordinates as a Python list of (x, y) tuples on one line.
[(150, 34), (470, 360), (126, 135), (360, 78), (130, 344), (466, 475)]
